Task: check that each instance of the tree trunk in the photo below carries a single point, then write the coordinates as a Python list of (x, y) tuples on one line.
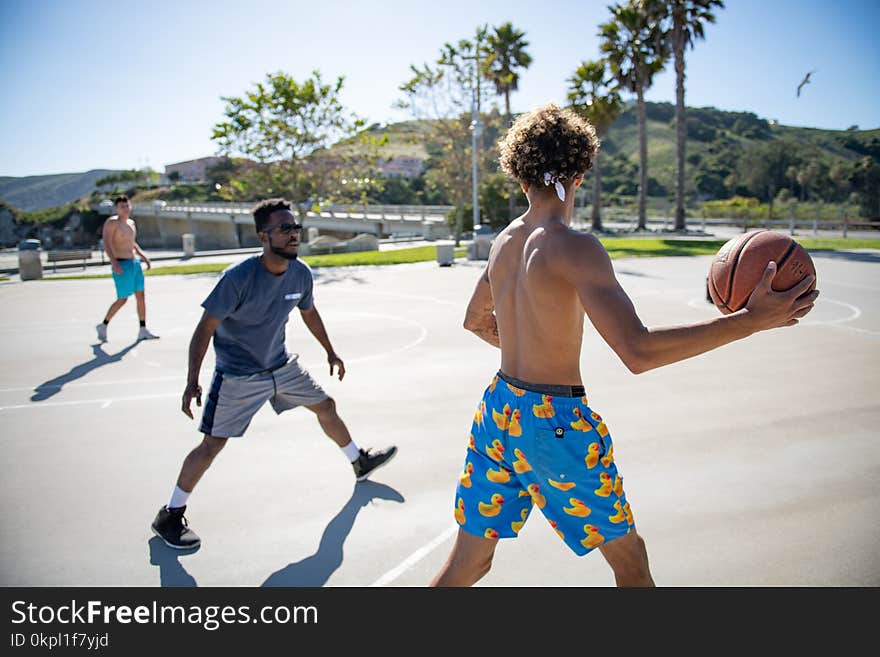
[(680, 122), (643, 159), (514, 188), (597, 196)]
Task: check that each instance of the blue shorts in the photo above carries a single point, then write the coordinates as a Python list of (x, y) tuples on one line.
[(131, 279), (528, 448)]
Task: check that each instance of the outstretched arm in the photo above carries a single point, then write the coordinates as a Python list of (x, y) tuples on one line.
[(641, 348), (479, 317), (315, 324)]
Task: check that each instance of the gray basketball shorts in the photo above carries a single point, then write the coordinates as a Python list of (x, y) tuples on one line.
[(234, 400)]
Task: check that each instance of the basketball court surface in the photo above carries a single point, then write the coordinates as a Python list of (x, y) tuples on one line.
[(757, 464)]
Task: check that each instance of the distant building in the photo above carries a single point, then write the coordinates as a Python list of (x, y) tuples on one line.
[(193, 170), (401, 167)]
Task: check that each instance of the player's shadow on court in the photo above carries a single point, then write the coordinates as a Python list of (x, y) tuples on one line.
[(171, 571), (316, 569), (52, 387)]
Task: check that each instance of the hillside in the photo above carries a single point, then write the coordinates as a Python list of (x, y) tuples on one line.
[(717, 140), (38, 192)]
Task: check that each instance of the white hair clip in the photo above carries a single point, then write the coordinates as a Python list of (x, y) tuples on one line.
[(560, 190)]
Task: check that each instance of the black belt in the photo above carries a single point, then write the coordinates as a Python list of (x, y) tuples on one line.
[(544, 389)]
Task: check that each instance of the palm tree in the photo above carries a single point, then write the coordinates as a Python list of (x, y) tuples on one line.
[(687, 18), (632, 41), (505, 54), (592, 94)]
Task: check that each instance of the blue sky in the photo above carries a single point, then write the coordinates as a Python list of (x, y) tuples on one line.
[(101, 84)]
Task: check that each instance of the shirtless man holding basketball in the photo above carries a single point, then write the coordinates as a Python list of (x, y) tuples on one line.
[(119, 235), (534, 440)]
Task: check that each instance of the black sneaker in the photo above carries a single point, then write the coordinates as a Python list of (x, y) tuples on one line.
[(171, 527), (369, 461)]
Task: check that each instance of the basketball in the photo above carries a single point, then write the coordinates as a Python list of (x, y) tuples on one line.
[(739, 265)]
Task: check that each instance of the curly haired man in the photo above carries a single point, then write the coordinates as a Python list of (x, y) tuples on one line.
[(535, 441)]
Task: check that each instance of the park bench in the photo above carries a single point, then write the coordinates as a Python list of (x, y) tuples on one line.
[(68, 254)]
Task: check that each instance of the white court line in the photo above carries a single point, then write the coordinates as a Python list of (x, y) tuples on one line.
[(414, 558), (423, 335), (180, 377), (107, 401), (855, 313), (414, 297)]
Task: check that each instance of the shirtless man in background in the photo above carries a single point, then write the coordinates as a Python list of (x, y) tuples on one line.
[(534, 439), (119, 235)]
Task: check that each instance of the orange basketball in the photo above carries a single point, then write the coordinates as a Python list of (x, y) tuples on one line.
[(740, 263)]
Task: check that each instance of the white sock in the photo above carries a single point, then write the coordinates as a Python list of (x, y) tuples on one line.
[(178, 498), (351, 452)]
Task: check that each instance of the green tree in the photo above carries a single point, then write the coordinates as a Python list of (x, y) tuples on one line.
[(594, 94), (505, 53), (633, 44), (865, 180), (445, 95), (764, 167), (686, 18), (288, 128)]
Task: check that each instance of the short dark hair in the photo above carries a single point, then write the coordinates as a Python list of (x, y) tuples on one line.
[(266, 208), (122, 198)]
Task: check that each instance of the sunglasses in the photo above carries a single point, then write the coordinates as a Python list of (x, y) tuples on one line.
[(285, 228)]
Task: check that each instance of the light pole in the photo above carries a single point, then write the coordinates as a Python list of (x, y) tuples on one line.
[(476, 126), (476, 131)]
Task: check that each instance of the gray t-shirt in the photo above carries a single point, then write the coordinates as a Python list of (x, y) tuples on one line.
[(254, 305)]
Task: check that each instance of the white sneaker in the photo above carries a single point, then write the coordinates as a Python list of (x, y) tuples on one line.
[(144, 334), (102, 332)]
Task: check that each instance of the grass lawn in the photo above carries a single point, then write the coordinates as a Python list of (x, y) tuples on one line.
[(617, 247)]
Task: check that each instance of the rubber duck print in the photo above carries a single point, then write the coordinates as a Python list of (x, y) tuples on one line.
[(465, 477), (519, 392), (479, 413), (535, 491), (545, 408), (593, 538), (517, 525), (515, 429), (592, 458), (502, 420), (577, 508), (620, 516), (561, 485), (608, 459), (553, 524), (493, 508), (607, 485), (496, 451), (499, 476), (581, 424), (600, 427), (520, 465), (459, 512), (491, 533)]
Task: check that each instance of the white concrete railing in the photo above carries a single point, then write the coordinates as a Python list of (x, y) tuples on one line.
[(430, 213)]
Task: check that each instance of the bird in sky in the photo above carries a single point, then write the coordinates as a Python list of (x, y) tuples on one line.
[(803, 82)]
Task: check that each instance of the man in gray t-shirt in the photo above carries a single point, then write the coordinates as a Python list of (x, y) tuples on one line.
[(246, 315)]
